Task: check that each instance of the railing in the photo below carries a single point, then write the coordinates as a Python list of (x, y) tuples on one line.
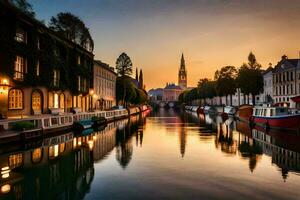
[(57, 121)]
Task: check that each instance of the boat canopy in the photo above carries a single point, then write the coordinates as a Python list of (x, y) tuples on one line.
[(270, 111)]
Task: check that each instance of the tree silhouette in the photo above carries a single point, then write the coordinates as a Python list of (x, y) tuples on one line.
[(124, 65), (73, 28), (225, 81), (24, 6), (250, 79), (124, 68)]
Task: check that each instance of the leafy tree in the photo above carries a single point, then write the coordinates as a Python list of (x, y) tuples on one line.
[(124, 65), (141, 96), (127, 86), (250, 79), (206, 88), (73, 28), (182, 97), (24, 6), (225, 81), (124, 69)]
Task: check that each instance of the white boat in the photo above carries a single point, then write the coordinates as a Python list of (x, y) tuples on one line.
[(230, 110)]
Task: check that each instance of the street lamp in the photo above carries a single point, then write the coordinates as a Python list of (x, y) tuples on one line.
[(3, 85)]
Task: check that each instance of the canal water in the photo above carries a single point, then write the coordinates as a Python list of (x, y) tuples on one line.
[(160, 155)]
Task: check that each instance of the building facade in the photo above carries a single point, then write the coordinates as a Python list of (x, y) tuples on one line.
[(104, 86), (40, 70), (171, 92), (267, 96), (286, 82)]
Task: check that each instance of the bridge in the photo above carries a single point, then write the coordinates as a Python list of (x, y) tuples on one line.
[(163, 104)]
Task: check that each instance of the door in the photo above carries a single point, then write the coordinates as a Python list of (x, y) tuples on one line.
[(36, 100)]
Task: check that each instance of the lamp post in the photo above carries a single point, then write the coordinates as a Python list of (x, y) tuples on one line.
[(4, 87)]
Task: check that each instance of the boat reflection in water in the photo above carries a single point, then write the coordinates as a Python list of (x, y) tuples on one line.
[(237, 137), (62, 167), (189, 156)]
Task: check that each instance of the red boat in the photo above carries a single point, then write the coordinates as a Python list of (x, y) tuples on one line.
[(276, 117), (245, 112)]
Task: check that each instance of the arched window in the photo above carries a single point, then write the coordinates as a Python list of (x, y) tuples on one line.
[(15, 99)]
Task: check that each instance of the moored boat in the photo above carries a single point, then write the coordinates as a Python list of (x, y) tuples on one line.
[(244, 112), (276, 117), (230, 110)]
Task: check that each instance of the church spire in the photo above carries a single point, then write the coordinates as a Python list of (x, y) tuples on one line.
[(182, 75), (182, 63)]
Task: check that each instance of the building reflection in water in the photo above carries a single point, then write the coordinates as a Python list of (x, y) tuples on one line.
[(62, 167), (282, 147)]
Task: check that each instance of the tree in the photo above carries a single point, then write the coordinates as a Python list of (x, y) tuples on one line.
[(73, 28), (250, 78), (141, 96), (125, 90), (24, 6), (124, 65), (225, 81), (124, 69), (206, 89)]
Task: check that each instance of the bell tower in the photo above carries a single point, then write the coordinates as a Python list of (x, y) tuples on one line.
[(182, 76)]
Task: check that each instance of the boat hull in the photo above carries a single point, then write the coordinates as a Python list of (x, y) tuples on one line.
[(290, 122), (245, 112)]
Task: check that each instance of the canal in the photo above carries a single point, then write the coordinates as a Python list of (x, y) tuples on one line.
[(160, 155)]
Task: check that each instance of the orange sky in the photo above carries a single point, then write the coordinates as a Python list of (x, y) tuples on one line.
[(211, 34)]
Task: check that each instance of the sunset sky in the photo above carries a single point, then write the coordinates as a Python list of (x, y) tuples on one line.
[(211, 33)]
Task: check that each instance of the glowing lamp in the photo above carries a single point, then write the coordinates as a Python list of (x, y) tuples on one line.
[(5, 188)]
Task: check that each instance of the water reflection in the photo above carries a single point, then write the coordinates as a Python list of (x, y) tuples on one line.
[(251, 144), (62, 167), (189, 156)]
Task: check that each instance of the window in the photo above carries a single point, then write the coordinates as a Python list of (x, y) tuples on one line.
[(36, 155), (79, 82), (292, 89), (38, 68), (15, 160), (50, 100), (53, 151), (78, 60), (38, 45), (15, 99), (21, 35), (62, 100), (56, 76), (56, 100), (272, 112), (20, 68), (292, 76)]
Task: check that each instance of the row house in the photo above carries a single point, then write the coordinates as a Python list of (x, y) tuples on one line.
[(104, 86), (286, 82), (40, 70)]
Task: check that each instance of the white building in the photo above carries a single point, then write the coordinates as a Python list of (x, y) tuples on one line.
[(104, 96), (286, 82), (267, 96)]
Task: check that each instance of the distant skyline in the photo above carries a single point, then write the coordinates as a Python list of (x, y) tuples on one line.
[(210, 33)]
